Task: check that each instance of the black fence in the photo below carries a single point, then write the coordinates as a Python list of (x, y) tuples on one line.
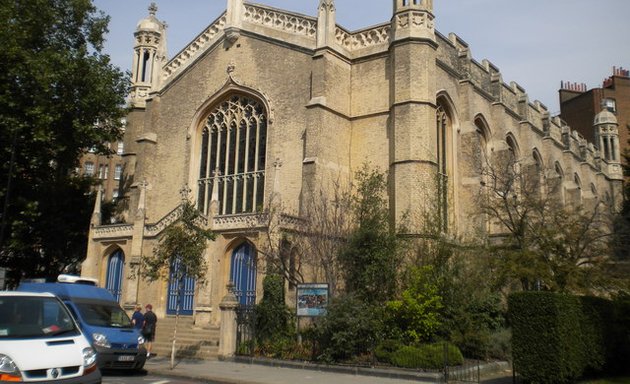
[(470, 371), (245, 330)]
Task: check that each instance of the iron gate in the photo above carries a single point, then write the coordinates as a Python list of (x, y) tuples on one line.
[(245, 330)]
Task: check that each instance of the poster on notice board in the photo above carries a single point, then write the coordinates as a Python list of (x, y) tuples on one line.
[(312, 299)]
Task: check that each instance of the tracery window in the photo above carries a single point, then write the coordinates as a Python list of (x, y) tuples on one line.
[(233, 150)]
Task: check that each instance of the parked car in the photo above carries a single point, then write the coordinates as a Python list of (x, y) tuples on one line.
[(41, 342), (106, 325)]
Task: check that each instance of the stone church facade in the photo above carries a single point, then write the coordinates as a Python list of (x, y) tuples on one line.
[(267, 102)]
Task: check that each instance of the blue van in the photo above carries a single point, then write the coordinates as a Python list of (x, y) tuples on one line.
[(103, 322)]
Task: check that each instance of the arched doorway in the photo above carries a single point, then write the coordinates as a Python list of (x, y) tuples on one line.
[(113, 280), (185, 296), (243, 273)]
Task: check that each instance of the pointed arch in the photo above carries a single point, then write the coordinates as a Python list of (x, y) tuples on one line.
[(231, 154), (483, 136), (243, 272), (444, 156), (556, 183), (181, 290), (114, 273), (535, 173), (538, 160), (512, 145), (577, 190)]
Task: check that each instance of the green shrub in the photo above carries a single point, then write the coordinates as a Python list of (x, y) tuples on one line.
[(500, 345), (273, 317), (350, 328), (417, 313), (427, 356), (385, 349)]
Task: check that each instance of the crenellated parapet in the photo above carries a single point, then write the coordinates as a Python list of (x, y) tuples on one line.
[(454, 56)]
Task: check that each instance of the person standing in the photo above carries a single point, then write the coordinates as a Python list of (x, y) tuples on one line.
[(137, 319), (148, 328)]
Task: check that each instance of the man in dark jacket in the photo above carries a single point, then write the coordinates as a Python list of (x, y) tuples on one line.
[(148, 329)]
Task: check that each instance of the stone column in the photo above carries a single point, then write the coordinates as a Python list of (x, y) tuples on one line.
[(227, 337)]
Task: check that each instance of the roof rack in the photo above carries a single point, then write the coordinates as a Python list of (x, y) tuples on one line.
[(77, 280)]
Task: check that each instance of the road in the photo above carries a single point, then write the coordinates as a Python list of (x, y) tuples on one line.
[(118, 377)]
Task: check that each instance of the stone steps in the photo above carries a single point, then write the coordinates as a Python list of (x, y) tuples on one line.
[(192, 342)]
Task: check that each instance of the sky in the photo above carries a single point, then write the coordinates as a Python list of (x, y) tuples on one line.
[(536, 43)]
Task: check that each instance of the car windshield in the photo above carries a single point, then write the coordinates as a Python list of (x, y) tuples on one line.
[(104, 314), (27, 317)]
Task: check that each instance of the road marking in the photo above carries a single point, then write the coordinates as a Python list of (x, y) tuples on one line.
[(161, 382)]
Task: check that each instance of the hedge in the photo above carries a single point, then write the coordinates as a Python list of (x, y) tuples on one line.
[(557, 338)]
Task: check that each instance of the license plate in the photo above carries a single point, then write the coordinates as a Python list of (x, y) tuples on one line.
[(126, 358)]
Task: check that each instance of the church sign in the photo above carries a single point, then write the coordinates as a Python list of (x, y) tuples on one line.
[(312, 299)]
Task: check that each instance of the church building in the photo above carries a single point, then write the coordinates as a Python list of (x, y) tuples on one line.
[(266, 102)]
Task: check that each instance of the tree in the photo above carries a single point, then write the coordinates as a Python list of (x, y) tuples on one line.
[(180, 253), (372, 257), (59, 95), (326, 231), (308, 245), (541, 241)]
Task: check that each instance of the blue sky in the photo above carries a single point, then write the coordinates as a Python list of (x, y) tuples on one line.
[(536, 43)]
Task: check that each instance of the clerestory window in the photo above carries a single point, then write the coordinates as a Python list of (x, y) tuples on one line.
[(232, 159)]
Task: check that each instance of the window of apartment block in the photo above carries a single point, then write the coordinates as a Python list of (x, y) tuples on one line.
[(121, 148), (114, 194), (103, 170), (89, 168), (611, 105), (118, 172)]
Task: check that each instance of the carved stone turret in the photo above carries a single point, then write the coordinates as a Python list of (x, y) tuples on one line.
[(607, 135), (149, 57), (413, 18), (607, 139)]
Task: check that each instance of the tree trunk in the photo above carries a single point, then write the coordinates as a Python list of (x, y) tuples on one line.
[(180, 287)]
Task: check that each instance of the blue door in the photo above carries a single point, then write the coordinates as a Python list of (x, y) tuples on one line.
[(185, 297), (113, 281), (243, 273)]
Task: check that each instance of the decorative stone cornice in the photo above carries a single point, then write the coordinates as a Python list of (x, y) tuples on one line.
[(194, 49), (113, 231), (282, 21)]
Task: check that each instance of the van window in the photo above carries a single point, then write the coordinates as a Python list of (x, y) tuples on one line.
[(103, 314), (34, 317)]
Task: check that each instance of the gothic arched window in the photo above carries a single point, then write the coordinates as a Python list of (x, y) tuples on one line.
[(480, 150), (232, 160), (442, 125)]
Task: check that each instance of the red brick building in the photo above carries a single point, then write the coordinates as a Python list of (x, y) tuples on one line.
[(579, 106), (108, 169)]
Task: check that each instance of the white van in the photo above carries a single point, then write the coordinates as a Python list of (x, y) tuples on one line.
[(41, 343)]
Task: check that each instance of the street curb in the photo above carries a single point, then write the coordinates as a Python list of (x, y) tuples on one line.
[(350, 370), (159, 366)]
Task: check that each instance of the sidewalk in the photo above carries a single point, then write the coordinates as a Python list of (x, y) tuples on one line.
[(230, 372)]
